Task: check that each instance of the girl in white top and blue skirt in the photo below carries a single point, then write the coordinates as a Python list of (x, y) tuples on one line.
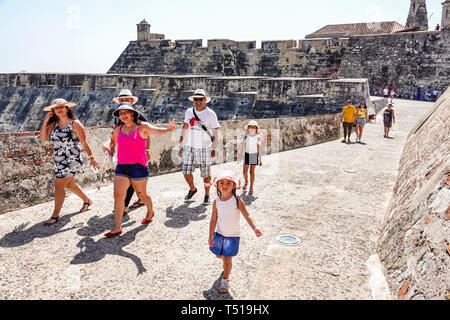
[(253, 157), (224, 231)]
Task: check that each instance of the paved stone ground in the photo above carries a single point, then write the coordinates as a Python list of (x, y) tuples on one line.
[(304, 192)]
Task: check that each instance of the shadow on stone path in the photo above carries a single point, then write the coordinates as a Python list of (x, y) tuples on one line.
[(93, 251), (21, 236), (181, 216)]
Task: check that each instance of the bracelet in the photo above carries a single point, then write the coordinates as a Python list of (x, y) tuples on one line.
[(91, 157)]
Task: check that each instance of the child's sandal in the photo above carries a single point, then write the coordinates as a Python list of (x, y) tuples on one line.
[(245, 187)]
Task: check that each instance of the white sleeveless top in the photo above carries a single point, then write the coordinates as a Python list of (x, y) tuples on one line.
[(251, 145), (228, 221)]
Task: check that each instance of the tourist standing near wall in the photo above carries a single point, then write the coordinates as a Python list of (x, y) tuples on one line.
[(132, 162), (200, 146), (66, 133)]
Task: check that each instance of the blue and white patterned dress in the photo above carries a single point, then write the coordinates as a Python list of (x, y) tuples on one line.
[(67, 152)]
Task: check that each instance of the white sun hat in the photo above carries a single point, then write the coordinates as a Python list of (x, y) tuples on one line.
[(126, 93), (200, 93)]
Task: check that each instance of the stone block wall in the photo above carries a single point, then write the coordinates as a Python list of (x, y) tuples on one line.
[(162, 98), (406, 60), (224, 57), (415, 243), (26, 163)]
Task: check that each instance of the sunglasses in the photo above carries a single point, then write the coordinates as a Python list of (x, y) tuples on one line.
[(199, 99)]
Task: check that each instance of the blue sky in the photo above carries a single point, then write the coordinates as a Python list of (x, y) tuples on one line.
[(88, 36)]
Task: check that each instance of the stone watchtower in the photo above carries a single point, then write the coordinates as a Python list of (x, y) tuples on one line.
[(418, 15), (445, 25), (143, 31)]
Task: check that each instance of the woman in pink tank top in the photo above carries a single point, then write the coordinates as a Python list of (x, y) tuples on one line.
[(132, 163)]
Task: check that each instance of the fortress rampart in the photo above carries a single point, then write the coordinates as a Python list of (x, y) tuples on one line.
[(414, 246), (161, 98), (407, 59)]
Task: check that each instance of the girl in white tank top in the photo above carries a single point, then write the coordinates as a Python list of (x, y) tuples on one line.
[(224, 231), (253, 153)]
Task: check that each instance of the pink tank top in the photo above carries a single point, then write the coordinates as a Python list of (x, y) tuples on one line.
[(131, 149)]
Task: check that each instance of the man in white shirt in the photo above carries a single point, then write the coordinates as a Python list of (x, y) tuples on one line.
[(201, 128)]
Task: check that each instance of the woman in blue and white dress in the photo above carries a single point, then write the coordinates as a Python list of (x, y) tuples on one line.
[(67, 134)]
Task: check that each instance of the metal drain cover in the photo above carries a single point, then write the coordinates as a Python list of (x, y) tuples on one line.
[(288, 240)]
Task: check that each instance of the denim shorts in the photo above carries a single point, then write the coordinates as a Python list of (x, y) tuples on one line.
[(133, 172), (225, 246)]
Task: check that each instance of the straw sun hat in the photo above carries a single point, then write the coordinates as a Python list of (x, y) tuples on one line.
[(57, 103)]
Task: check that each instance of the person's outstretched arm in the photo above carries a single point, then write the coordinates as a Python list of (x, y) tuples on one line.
[(152, 130)]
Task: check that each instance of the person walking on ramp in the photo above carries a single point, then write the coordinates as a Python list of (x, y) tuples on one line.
[(224, 229), (388, 119), (253, 153), (126, 96), (201, 143), (132, 162), (348, 118), (67, 133)]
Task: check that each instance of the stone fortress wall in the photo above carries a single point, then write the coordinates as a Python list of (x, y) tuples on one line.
[(280, 58), (414, 246), (162, 98), (407, 60)]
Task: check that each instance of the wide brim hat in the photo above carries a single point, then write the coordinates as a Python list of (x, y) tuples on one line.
[(124, 106), (253, 123), (200, 93), (59, 102), (126, 94)]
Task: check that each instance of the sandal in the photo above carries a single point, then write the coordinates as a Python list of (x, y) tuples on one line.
[(87, 205), (145, 221), (245, 186), (137, 204), (46, 223), (251, 191), (224, 286), (111, 235)]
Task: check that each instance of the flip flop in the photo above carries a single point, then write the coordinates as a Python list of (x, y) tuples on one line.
[(50, 224), (137, 204), (86, 204)]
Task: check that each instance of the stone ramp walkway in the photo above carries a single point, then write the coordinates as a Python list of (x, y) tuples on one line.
[(304, 192)]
